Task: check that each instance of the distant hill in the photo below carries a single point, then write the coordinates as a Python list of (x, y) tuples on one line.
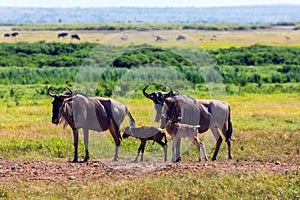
[(239, 14)]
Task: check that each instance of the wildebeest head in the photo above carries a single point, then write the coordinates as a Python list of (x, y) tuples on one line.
[(57, 103), (171, 111), (158, 99), (127, 132)]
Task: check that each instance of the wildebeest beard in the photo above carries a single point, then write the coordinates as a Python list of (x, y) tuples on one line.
[(66, 113)]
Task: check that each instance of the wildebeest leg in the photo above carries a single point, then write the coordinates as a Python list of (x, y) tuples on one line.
[(86, 144), (178, 158), (75, 135), (143, 148), (114, 130), (173, 148), (165, 147), (176, 149), (219, 139), (195, 141), (229, 148), (139, 150), (228, 141), (202, 145)]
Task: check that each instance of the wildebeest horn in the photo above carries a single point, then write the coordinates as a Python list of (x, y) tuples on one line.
[(70, 90), (50, 94), (68, 95), (145, 93)]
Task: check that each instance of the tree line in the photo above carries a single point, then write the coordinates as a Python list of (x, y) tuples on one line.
[(43, 54), (60, 63)]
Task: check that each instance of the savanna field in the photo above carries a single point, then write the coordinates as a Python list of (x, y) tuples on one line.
[(260, 76)]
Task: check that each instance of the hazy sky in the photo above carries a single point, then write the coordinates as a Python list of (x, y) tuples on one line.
[(140, 3)]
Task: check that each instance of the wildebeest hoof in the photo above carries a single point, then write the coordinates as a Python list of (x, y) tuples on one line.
[(115, 159), (75, 160), (178, 159)]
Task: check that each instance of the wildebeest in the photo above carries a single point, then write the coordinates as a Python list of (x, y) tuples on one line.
[(14, 34), (89, 113), (62, 35), (177, 130), (6, 35), (180, 37), (124, 37), (209, 114), (145, 133), (75, 36), (158, 38)]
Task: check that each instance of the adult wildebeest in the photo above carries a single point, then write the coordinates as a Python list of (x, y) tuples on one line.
[(180, 37), (89, 113), (6, 35), (63, 35), (14, 34), (75, 36), (145, 133), (209, 114), (177, 130)]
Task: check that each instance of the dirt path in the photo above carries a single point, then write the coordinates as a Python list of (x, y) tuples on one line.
[(95, 169)]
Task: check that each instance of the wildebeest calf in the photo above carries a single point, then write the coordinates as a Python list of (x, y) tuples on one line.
[(145, 133), (178, 130)]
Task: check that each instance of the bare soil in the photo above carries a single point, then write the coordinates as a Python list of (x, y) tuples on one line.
[(96, 169)]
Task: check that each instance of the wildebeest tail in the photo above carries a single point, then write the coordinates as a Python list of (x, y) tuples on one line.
[(229, 128), (166, 141), (132, 121)]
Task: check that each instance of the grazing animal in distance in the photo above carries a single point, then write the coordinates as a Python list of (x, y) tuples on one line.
[(180, 37), (89, 113), (145, 133), (158, 38), (75, 36), (6, 35), (63, 35), (209, 114), (177, 130), (124, 37), (14, 34)]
